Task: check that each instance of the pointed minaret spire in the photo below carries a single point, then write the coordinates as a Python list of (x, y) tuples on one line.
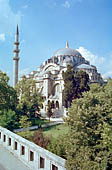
[(16, 57), (17, 30), (67, 45)]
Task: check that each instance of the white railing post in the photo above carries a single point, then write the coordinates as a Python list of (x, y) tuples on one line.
[(19, 149), (1, 137), (7, 140), (26, 153), (36, 158), (12, 143)]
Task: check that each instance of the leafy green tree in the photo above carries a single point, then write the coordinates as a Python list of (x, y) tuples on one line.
[(24, 122), (8, 119), (8, 97), (49, 110), (69, 85), (29, 96), (58, 146), (82, 80), (74, 85), (90, 121)]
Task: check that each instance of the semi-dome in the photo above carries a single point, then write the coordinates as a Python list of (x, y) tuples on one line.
[(67, 52), (85, 66)]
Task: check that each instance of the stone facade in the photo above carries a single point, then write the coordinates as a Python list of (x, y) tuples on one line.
[(49, 75)]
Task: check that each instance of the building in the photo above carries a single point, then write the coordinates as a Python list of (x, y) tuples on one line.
[(49, 76)]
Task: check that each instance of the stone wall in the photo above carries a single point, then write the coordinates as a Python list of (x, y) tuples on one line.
[(35, 157)]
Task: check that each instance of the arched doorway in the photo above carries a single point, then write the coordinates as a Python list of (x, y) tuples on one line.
[(57, 104), (53, 105), (48, 102)]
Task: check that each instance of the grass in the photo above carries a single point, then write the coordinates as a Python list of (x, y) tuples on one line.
[(52, 131), (55, 131)]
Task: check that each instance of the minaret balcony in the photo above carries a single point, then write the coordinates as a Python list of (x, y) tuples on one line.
[(16, 51), (16, 43), (16, 58)]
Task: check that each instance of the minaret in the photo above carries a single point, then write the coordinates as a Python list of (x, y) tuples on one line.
[(16, 57), (67, 46)]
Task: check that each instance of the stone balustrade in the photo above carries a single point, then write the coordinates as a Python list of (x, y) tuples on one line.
[(35, 157)]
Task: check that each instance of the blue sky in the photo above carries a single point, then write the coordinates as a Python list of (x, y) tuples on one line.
[(44, 27)]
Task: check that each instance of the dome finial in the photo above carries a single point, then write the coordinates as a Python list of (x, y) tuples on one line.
[(67, 45)]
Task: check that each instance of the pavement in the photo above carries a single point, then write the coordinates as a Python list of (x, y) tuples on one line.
[(60, 119), (54, 121), (2, 168), (9, 162)]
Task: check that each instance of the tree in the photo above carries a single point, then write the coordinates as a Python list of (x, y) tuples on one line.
[(82, 80), (39, 139), (58, 146), (24, 122), (29, 96), (69, 85), (8, 119), (90, 120), (49, 110), (8, 97), (74, 85)]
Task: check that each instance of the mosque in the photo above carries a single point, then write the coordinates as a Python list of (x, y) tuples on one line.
[(49, 78)]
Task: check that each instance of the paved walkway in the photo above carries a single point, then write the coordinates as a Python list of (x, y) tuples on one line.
[(10, 162), (2, 168), (55, 121)]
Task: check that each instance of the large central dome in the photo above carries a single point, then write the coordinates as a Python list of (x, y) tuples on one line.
[(67, 52)]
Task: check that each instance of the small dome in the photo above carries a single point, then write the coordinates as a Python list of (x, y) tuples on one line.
[(67, 52)]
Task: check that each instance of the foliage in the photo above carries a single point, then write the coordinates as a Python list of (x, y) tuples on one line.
[(69, 85), (49, 110), (89, 144), (82, 80), (38, 121), (39, 139), (58, 137), (24, 122), (8, 97), (8, 119), (58, 146), (29, 97), (74, 85)]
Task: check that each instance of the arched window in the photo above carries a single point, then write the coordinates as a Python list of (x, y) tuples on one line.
[(56, 89)]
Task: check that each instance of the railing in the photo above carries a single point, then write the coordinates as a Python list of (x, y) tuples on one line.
[(35, 157)]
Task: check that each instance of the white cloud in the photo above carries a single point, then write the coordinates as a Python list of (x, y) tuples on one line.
[(103, 64), (2, 37), (107, 74), (94, 59), (8, 18), (66, 4)]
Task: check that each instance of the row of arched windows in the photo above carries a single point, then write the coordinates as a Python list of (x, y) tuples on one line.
[(54, 105)]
